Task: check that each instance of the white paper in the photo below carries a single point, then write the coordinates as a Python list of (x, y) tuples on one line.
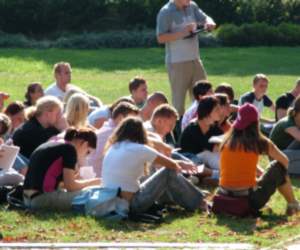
[(87, 172), (8, 156)]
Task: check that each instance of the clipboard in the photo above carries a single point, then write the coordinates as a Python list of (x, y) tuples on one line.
[(195, 32)]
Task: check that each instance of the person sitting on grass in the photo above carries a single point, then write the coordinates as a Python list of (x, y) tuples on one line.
[(154, 100), (200, 89), (16, 112), (45, 120), (120, 112), (51, 181), (258, 96), (163, 121), (76, 111), (286, 100), (225, 111), (62, 74), (14, 175), (240, 153), (138, 91), (34, 92), (226, 88), (194, 139), (102, 114), (124, 163), (286, 136)]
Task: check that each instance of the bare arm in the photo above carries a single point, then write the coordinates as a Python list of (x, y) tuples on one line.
[(170, 37), (281, 113), (294, 132), (167, 162), (272, 108), (159, 145), (71, 184), (278, 155)]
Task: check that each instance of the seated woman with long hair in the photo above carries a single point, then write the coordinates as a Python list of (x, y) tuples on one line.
[(240, 153), (33, 93), (51, 181), (124, 163)]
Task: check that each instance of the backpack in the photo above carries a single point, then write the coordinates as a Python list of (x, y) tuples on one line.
[(236, 206), (15, 198)]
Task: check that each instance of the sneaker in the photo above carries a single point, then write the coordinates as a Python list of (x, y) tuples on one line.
[(292, 208)]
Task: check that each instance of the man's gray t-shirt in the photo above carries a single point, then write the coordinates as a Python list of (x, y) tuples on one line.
[(170, 20)]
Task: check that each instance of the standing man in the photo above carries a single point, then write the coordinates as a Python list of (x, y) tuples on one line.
[(176, 22)]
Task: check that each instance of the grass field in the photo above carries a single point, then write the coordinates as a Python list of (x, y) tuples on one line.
[(105, 73)]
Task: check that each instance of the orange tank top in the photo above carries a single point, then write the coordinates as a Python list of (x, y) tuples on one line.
[(237, 168)]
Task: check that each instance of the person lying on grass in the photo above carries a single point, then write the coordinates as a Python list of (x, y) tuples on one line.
[(238, 164)]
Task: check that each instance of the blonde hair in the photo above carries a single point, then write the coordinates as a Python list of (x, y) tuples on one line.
[(44, 104), (77, 109), (57, 68)]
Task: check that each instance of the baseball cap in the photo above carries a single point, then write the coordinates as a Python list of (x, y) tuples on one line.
[(247, 114)]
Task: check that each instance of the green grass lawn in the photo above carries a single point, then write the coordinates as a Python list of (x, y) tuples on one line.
[(106, 73)]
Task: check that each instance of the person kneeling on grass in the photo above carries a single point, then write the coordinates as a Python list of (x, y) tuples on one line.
[(238, 164), (51, 181), (124, 163)]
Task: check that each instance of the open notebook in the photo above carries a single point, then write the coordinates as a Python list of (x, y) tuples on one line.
[(8, 155)]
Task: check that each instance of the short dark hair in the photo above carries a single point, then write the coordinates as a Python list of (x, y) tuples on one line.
[(206, 106), (135, 83), (201, 88), (124, 108), (227, 89), (14, 108), (84, 133), (222, 98)]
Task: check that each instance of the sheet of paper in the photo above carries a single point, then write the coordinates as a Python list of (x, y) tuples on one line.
[(8, 155)]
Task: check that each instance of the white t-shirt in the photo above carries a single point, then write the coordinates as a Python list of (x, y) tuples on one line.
[(123, 165), (53, 90), (98, 113)]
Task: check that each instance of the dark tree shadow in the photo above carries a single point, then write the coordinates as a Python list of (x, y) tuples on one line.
[(250, 225)]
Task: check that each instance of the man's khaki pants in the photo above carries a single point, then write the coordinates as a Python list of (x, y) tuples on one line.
[(182, 78)]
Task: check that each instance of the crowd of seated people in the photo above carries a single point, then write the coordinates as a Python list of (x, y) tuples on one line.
[(130, 145)]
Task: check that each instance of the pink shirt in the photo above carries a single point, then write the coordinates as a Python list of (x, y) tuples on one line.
[(95, 159), (189, 115)]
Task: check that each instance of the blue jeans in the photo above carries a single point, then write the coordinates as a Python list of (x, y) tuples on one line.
[(165, 181)]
